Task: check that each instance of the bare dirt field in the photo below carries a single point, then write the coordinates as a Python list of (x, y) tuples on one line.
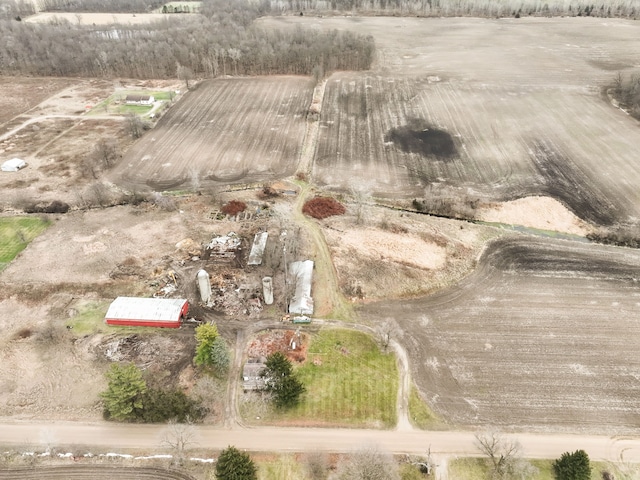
[(20, 94), (395, 255), (45, 123), (493, 108), (226, 131), (541, 336)]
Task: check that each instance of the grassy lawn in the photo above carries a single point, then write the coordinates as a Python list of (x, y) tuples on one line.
[(478, 469), (421, 415), (89, 319), (115, 103), (284, 467), (15, 235), (350, 383)]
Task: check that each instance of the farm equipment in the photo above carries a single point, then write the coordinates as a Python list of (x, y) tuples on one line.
[(301, 319)]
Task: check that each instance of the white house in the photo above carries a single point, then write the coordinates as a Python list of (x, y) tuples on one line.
[(139, 100)]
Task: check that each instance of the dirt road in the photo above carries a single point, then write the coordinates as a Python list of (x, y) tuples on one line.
[(443, 444)]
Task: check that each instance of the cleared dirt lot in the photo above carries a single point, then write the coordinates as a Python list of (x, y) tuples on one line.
[(519, 103), (226, 131), (542, 336)]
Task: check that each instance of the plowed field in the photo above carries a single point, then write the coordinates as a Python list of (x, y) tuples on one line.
[(543, 335), (401, 136), (495, 108), (226, 131), (96, 472)]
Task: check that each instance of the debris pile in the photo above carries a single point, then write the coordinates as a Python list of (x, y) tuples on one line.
[(323, 207), (280, 341), (223, 247)]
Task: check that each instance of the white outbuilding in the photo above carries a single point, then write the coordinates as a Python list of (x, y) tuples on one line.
[(13, 165)]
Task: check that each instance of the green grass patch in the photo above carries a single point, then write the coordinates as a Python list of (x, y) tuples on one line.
[(478, 469), (89, 319), (421, 415), (284, 467), (351, 382), (16, 233), (468, 469)]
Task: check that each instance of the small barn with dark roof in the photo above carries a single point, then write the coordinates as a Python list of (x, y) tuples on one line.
[(139, 99)]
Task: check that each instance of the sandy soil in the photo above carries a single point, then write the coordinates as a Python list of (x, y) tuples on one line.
[(542, 213), (401, 254)]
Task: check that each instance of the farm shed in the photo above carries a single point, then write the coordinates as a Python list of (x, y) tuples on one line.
[(147, 312), (257, 249), (251, 379), (139, 99), (302, 273), (13, 165)]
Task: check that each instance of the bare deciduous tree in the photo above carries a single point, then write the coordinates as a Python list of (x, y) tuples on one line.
[(361, 198), (194, 179), (106, 152), (135, 125), (317, 464), (179, 437), (234, 55), (185, 74), (386, 331), (504, 455), (368, 463)]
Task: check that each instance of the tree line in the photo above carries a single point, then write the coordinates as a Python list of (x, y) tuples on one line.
[(449, 8), (206, 46)]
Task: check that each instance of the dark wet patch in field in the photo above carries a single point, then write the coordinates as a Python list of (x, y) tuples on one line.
[(419, 137)]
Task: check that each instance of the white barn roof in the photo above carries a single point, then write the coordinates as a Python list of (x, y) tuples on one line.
[(13, 165), (302, 273), (152, 309), (257, 249)]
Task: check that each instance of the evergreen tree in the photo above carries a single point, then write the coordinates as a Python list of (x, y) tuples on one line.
[(206, 335), (572, 466), (220, 355), (123, 397), (281, 381), (235, 465)]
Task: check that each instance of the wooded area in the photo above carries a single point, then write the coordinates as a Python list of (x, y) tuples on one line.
[(157, 50), (220, 42)]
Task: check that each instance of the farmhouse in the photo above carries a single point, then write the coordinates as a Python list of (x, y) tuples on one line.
[(147, 312), (302, 273), (13, 165), (139, 100)]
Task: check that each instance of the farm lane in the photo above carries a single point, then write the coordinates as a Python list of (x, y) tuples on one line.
[(41, 118), (442, 443)]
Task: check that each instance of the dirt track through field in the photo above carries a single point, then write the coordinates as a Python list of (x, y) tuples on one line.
[(541, 336)]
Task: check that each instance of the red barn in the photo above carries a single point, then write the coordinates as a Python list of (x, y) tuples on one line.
[(147, 312)]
